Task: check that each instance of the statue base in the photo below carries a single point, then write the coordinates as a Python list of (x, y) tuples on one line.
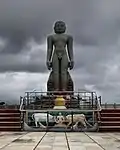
[(59, 102)]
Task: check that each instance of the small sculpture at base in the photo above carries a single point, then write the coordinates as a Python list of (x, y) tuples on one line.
[(60, 121)]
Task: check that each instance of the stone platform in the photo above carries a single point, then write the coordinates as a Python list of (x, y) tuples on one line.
[(59, 141)]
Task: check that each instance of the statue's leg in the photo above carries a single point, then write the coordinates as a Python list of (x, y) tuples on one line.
[(64, 68), (55, 67)]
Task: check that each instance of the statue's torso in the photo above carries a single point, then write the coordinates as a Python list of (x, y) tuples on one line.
[(59, 42)]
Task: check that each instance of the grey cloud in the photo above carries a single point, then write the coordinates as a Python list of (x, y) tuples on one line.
[(90, 22), (14, 85), (21, 20), (94, 24), (32, 61)]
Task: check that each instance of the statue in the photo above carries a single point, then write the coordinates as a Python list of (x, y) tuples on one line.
[(60, 59)]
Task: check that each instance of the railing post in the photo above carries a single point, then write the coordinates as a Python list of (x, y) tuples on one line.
[(72, 119), (22, 119), (114, 105), (96, 102), (49, 100), (26, 117), (93, 117), (78, 101), (105, 105), (92, 100), (27, 98), (100, 100), (47, 119), (20, 100), (20, 103)]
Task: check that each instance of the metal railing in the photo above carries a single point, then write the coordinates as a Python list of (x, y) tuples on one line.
[(6, 106), (21, 103), (99, 108), (110, 106), (41, 100)]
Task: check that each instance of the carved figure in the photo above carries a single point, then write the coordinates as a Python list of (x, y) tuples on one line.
[(60, 58)]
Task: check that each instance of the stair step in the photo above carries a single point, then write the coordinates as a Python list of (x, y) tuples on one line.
[(9, 114), (10, 128), (109, 128), (110, 114), (10, 123), (110, 111), (9, 111), (9, 119), (110, 123), (110, 118)]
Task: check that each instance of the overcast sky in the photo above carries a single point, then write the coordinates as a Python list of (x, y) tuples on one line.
[(95, 26)]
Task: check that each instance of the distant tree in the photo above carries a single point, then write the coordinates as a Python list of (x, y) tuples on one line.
[(2, 103)]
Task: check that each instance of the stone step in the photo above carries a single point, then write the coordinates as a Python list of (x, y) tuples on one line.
[(109, 128), (110, 118), (7, 119), (9, 114), (10, 128), (10, 123), (9, 111), (10, 120), (110, 114), (110, 111), (110, 123)]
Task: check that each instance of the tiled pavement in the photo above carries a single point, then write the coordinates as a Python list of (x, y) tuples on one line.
[(59, 141)]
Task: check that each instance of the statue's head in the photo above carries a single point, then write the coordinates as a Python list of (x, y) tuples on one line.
[(59, 27)]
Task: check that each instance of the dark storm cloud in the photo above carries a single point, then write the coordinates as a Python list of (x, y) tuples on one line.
[(94, 24), (30, 62), (21, 20), (91, 22)]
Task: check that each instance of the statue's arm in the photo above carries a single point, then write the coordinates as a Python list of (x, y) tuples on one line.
[(70, 47), (49, 48)]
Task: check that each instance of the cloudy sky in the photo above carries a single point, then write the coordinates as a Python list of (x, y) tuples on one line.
[(95, 26)]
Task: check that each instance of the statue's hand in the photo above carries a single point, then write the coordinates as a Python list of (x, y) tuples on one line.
[(71, 64), (49, 65)]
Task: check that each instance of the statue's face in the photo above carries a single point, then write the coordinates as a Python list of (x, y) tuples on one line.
[(59, 27)]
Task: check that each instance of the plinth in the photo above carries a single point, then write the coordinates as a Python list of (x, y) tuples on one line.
[(59, 102)]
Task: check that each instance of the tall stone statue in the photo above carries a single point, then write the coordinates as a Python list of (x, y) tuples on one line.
[(60, 59)]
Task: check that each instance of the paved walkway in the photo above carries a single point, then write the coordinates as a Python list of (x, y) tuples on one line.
[(59, 141)]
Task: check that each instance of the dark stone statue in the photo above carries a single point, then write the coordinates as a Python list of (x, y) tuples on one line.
[(60, 59)]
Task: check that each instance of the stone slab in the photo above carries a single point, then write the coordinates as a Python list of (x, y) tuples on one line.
[(58, 141)]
